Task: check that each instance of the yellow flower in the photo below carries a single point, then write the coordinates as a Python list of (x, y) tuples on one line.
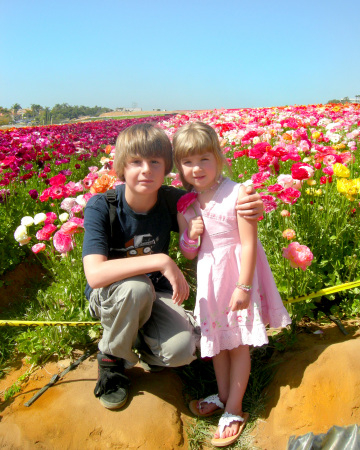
[(341, 171), (316, 134), (342, 185), (356, 183), (318, 192), (311, 182)]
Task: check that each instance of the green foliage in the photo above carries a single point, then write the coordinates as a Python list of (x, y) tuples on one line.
[(16, 387)]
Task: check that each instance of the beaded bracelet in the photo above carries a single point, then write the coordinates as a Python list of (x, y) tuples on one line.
[(244, 287), (189, 245)]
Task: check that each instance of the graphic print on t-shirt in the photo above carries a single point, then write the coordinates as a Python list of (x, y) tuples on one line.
[(138, 246)]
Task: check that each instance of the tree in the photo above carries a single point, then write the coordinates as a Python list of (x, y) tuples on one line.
[(35, 109), (15, 108)]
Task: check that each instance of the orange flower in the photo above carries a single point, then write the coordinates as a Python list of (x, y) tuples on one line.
[(287, 137), (289, 234), (103, 184), (108, 149)]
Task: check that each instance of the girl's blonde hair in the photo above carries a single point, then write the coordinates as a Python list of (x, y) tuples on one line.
[(196, 138), (145, 140)]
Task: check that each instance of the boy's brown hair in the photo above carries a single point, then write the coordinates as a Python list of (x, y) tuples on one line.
[(145, 140), (196, 138)]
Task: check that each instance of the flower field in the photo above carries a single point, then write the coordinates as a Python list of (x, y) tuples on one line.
[(304, 160)]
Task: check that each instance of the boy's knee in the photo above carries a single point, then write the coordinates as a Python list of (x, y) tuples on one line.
[(138, 290), (180, 349)]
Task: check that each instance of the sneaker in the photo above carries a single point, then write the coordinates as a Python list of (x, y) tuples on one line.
[(112, 385)]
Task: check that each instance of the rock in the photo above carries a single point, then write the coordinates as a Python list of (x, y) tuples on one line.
[(68, 415)]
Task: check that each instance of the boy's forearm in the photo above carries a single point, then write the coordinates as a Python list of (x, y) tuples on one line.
[(101, 272)]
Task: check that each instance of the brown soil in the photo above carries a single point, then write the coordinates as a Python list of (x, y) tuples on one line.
[(16, 282), (316, 386)]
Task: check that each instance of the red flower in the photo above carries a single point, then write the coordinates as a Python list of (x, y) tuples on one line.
[(185, 201), (58, 180), (301, 171)]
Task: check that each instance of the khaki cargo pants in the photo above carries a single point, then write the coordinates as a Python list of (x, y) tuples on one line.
[(132, 304)]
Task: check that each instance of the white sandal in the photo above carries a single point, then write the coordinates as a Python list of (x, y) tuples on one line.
[(193, 405), (225, 420)]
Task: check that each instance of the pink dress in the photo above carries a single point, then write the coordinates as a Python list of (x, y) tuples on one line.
[(218, 269)]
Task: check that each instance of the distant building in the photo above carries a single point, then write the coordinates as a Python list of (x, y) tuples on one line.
[(122, 109)]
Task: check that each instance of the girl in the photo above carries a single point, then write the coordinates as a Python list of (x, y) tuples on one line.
[(236, 292)]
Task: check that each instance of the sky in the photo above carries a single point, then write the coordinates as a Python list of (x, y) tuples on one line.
[(184, 55)]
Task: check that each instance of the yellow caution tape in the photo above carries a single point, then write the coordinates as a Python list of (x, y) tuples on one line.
[(53, 323), (326, 291), (39, 323)]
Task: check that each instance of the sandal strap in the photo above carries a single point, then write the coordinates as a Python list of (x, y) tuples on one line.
[(226, 419), (215, 400)]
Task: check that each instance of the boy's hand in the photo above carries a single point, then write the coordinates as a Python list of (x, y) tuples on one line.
[(195, 227), (177, 281), (239, 300), (250, 206)]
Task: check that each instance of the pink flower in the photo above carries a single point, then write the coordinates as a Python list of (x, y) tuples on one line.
[(62, 242), (68, 203), (289, 234), (289, 195), (45, 233), (299, 256), (76, 209), (269, 202), (38, 247), (185, 201), (328, 170), (50, 218), (285, 213), (78, 221), (329, 159), (68, 228), (275, 188)]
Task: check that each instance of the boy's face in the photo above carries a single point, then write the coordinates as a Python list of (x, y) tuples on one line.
[(144, 175)]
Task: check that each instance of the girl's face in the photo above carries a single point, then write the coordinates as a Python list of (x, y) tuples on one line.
[(200, 171)]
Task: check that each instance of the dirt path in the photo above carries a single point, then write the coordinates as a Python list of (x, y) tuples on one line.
[(317, 385)]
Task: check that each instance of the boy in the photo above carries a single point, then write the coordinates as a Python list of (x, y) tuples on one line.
[(138, 299)]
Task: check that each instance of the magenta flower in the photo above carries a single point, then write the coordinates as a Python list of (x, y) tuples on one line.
[(299, 256), (185, 201), (63, 242), (33, 194)]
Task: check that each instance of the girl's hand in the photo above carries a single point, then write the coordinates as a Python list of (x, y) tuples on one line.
[(195, 227), (239, 300)]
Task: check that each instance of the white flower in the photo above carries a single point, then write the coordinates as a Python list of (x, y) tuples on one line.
[(21, 235), (39, 218), (27, 221), (80, 200), (63, 217), (256, 140)]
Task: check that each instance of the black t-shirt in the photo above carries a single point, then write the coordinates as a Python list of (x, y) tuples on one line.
[(133, 234)]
